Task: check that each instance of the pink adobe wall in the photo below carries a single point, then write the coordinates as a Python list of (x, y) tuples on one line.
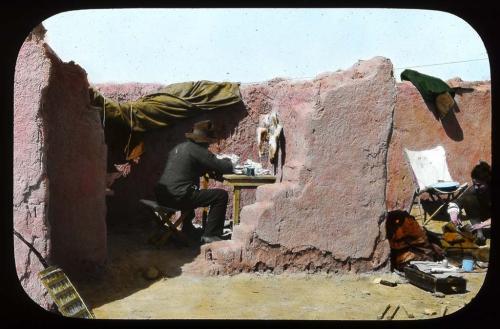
[(327, 212), (76, 167), (59, 169), (31, 184)]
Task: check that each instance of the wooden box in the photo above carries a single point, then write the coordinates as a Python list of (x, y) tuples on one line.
[(448, 284)]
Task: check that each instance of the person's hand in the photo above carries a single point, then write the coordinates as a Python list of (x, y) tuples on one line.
[(477, 226), (454, 218)]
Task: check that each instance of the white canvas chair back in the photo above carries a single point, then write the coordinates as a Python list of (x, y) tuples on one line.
[(429, 166)]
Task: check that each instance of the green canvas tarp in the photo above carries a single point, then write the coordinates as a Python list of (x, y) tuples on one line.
[(160, 109), (176, 101)]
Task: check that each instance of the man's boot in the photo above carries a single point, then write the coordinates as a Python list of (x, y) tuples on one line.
[(191, 231)]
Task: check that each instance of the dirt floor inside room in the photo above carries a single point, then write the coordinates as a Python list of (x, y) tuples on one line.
[(181, 292)]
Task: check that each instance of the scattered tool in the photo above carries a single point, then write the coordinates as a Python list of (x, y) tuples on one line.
[(381, 315), (394, 313), (388, 283), (444, 310), (408, 314)]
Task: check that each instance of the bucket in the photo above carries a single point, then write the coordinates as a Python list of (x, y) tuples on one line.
[(467, 264)]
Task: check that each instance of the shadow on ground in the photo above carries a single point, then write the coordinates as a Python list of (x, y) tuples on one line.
[(130, 255)]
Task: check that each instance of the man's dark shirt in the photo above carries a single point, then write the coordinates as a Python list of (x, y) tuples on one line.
[(186, 163)]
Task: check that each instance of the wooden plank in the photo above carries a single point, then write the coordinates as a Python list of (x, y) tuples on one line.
[(384, 311), (249, 178), (236, 205), (245, 184), (243, 180), (408, 314), (394, 313)]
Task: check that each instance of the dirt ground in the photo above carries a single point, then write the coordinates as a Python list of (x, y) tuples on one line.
[(123, 292)]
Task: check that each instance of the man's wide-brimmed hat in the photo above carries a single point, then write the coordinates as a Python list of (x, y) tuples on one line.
[(203, 132)]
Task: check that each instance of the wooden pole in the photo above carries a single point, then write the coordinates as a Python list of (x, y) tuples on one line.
[(236, 205)]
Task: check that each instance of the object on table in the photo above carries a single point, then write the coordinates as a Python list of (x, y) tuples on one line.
[(257, 167), (233, 157), (435, 267)]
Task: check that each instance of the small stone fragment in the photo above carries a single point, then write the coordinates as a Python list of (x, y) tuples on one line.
[(151, 273)]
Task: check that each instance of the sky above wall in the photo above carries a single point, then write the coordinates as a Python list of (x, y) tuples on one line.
[(254, 45)]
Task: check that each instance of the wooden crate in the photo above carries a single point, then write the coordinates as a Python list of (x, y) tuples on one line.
[(433, 283)]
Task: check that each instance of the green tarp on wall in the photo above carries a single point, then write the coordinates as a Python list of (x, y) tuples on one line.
[(176, 101), (159, 110)]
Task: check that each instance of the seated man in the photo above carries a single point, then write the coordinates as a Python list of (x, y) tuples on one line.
[(476, 202), (178, 186)]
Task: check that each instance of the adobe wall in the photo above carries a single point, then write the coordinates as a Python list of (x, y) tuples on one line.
[(59, 169), (31, 195), (328, 211), (465, 135)]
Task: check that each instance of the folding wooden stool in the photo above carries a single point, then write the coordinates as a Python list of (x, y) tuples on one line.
[(168, 227)]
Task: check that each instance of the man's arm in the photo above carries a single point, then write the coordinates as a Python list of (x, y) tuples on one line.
[(214, 166), (485, 224)]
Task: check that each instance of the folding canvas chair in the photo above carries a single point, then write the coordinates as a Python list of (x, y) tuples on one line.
[(430, 171)]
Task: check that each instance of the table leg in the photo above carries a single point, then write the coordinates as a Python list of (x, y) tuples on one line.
[(236, 205)]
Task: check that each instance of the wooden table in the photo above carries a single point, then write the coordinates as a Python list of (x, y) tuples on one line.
[(243, 181)]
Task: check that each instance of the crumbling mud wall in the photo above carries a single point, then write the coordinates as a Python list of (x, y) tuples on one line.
[(59, 168), (465, 134), (328, 211), (31, 195)]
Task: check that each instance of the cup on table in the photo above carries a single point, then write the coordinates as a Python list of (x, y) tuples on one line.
[(249, 171)]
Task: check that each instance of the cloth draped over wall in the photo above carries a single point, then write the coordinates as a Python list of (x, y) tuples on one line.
[(428, 86), (408, 240), (159, 110), (432, 89)]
